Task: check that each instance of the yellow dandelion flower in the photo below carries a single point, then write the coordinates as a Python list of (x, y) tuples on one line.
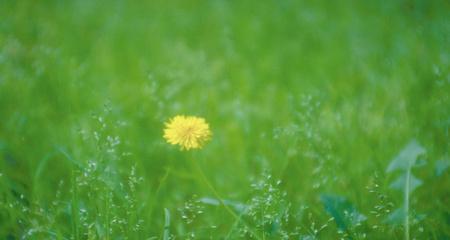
[(187, 131)]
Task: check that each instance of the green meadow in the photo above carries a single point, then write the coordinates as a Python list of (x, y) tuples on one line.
[(329, 119)]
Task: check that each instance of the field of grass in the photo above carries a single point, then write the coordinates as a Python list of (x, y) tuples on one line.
[(330, 120)]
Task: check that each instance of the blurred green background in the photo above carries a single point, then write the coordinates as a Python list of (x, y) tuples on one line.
[(308, 102)]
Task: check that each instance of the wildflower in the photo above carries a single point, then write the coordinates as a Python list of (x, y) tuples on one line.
[(187, 131)]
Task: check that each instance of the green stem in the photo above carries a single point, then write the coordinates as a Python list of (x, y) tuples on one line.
[(107, 215), (213, 190), (236, 222), (219, 198), (155, 196), (74, 207), (166, 232), (406, 203)]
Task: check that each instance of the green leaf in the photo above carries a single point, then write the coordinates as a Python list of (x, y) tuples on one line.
[(239, 207), (343, 212), (166, 234), (41, 166), (441, 166), (407, 157), (2, 145), (400, 183), (396, 217), (307, 237)]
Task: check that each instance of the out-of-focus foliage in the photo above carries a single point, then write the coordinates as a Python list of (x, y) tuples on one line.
[(304, 99)]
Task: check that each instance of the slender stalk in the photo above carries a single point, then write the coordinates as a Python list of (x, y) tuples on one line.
[(213, 190), (107, 215), (236, 222), (406, 203), (106, 194), (153, 199), (74, 207), (262, 229), (166, 235), (216, 194)]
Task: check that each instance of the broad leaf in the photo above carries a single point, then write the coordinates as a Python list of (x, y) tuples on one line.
[(236, 205), (307, 237), (441, 166), (343, 212), (396, 217), (407, 157), (400, 183)]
